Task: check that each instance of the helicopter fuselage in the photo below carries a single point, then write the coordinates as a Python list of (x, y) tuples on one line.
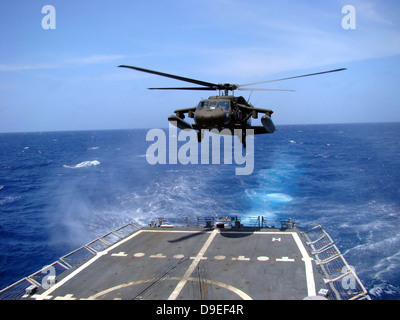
[(221, 113), (217, 112)]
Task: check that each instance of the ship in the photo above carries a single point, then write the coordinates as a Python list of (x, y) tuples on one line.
[(209, 258)]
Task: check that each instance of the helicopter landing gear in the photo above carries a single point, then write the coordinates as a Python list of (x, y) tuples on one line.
[(244, 138), (200, 135), (241, 136)]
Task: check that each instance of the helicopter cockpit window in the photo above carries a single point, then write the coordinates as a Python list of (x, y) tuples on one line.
[(224, 105), (213, 105), (202, 104)]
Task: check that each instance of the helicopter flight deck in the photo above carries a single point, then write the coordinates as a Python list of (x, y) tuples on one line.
[(172, 264)]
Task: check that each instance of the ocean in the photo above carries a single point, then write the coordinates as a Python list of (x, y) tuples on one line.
[(60, 190)]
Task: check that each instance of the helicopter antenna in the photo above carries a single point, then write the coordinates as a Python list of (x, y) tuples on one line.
[(251, 92)]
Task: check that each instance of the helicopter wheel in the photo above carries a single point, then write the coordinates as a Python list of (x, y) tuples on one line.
[(244, 138)]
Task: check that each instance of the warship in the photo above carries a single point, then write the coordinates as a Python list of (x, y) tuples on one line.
[(209, 258)]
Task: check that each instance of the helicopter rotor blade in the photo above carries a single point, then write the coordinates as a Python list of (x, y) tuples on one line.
[(304, 75), (184, 88), (202, 83), (260, 89)]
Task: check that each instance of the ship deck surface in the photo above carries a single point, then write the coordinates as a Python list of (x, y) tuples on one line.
[(194, 263)]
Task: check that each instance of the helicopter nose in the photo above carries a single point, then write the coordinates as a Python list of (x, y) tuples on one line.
[(210, 118)]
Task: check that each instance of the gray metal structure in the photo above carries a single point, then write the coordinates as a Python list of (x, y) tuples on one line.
[(216, 259)]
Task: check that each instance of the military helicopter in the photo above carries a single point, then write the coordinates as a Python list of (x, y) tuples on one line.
[(223, 111)]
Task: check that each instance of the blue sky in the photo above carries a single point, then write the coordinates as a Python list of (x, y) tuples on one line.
[(67, 78)]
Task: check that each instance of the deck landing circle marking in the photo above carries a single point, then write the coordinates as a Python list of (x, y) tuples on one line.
[(235, 290)]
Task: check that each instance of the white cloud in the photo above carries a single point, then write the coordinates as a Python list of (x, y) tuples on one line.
[(18, 67), (93, 59), (303, 35)]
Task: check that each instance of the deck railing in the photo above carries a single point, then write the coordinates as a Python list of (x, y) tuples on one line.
[(338, 274), (71, 260)]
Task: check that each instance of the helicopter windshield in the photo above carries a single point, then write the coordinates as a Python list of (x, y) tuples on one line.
[(213, 104), (224, 105), (202, 104)]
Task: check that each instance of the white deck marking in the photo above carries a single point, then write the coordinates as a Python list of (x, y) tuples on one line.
[(220, 257), (235, 290), (283, 259), (66, 297), (158, 255), (309, 269), (262, 258), (41, 297), (194, 264), (121, 254), (84, 266), (139, 254), (241, 258), (202, 258)]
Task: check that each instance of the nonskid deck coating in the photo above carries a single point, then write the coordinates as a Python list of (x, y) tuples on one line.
[(196, 264)]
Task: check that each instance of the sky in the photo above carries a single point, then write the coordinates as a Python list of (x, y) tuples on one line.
[(67, 78)]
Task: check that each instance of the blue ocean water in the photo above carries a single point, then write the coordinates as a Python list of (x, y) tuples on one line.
[(59, 190)]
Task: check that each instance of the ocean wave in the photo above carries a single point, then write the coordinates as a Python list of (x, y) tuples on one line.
[(83, 164), (261, 195), (383, 289), (9, 199), (279, 197)]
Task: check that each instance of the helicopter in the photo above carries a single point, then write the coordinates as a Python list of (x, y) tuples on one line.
[(223, 111)]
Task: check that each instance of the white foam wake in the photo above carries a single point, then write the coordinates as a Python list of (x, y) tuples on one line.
[(83, 164)]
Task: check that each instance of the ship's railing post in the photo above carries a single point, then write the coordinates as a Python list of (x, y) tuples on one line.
[(340, 276)]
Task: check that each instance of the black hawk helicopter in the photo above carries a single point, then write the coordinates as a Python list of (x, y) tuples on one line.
[(222, 111)]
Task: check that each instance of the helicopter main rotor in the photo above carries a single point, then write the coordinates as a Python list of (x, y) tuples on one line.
[(226, 87)]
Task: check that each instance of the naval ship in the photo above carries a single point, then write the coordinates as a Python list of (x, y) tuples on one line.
[(208, 258)]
